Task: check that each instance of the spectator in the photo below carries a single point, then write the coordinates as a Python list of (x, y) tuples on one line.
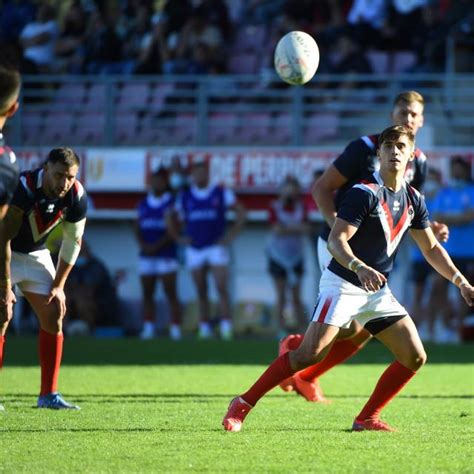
[(288, 218), (349, 58), (454, 205), (91, 293), (38, 39), (177, 174), (158, 254), (367, 20), (70, 46), (202, 208)]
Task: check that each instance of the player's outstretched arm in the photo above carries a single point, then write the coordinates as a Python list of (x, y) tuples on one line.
[(9, 228), (239, 222), (338, 245), (440, 260), (323, 191)]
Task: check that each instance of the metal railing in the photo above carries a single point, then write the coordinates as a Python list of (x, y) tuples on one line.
[(232, 110)]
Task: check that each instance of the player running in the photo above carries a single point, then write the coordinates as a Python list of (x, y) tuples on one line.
[(43, 199), (357, 161), (371, 221)]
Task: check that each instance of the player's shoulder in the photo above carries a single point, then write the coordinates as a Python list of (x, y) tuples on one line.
[(419, 155), (369, 141), (78, 190), (371, 185), (30, 181), (413, 193)]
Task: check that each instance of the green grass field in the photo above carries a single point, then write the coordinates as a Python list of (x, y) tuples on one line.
[(157, 406)]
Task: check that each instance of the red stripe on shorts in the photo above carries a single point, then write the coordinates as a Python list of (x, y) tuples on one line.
[(324, 310)]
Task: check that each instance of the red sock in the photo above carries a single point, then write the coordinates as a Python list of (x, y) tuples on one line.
[(340, 351), (50, 353), (279, 370), (395, 377), (2, 343)]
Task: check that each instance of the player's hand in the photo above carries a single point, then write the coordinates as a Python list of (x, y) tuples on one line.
[(371, 279), (7, 300), (56, 293), (440, 230), (467, 292)]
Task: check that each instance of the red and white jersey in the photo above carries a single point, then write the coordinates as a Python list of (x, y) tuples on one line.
[(42, 214), (382, 217), (286, 248)]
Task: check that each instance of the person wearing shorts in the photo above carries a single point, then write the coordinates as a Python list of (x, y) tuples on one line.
[(44, 198), (158, 254), (370, 224), (202, 209)]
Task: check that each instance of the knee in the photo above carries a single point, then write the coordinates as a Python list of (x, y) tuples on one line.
[(302, 357), (416, 360)]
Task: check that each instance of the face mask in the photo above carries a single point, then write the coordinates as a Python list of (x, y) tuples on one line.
[(176, 180)]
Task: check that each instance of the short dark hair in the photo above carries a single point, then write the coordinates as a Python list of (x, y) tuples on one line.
[(65, 156), (10, 83), (396, 131)]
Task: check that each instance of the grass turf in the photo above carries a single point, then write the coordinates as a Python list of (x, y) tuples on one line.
[(157, 406)]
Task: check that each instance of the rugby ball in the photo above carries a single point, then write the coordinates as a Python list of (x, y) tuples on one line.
[(296, 58)]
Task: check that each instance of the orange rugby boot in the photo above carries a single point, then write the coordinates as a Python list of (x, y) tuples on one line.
[(309, 390), (371, 425), (236, 413)]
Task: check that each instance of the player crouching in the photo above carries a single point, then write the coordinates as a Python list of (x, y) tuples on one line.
[(371, 221), (43, 199)]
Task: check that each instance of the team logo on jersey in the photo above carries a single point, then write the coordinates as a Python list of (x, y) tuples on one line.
[(396, 206), (50, 209)]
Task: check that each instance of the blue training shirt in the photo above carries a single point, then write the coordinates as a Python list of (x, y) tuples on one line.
[(152, 212)]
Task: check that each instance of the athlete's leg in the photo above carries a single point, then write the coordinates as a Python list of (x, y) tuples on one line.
[(403, 341), (148, 284), (280, 290), (169, 287), (199, 275), (220, 274), (298, 307), (316, 343), (50, 340)]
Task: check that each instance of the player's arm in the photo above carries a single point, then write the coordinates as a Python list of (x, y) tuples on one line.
[(323, 191), (9, 228), (174, 227), (338, 245), (240, 216), (440, 260)]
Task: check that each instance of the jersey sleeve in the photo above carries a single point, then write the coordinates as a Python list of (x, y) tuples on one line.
[(421, 170), (421, 219), (21, 198), (229, 197), (356, 206), (352, 159), (78, 210)]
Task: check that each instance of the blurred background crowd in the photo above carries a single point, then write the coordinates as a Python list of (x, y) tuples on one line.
[(231, 36)]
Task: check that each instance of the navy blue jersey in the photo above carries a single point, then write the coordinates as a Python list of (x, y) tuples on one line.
[(382, 217), (359, 160), (42, 214), (204, 213), (9, 172), (152, 222)]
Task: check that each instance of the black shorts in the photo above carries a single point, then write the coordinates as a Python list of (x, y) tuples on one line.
[(277, 271)]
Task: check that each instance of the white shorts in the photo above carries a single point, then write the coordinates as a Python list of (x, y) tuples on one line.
[(340, 302), (324, 256), (157, 265), (214, 255), (33, 272)]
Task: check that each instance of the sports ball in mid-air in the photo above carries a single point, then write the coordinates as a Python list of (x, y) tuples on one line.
[(296, 58)]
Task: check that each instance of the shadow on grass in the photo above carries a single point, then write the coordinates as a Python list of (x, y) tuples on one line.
[(22, 352), (199, 397)]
